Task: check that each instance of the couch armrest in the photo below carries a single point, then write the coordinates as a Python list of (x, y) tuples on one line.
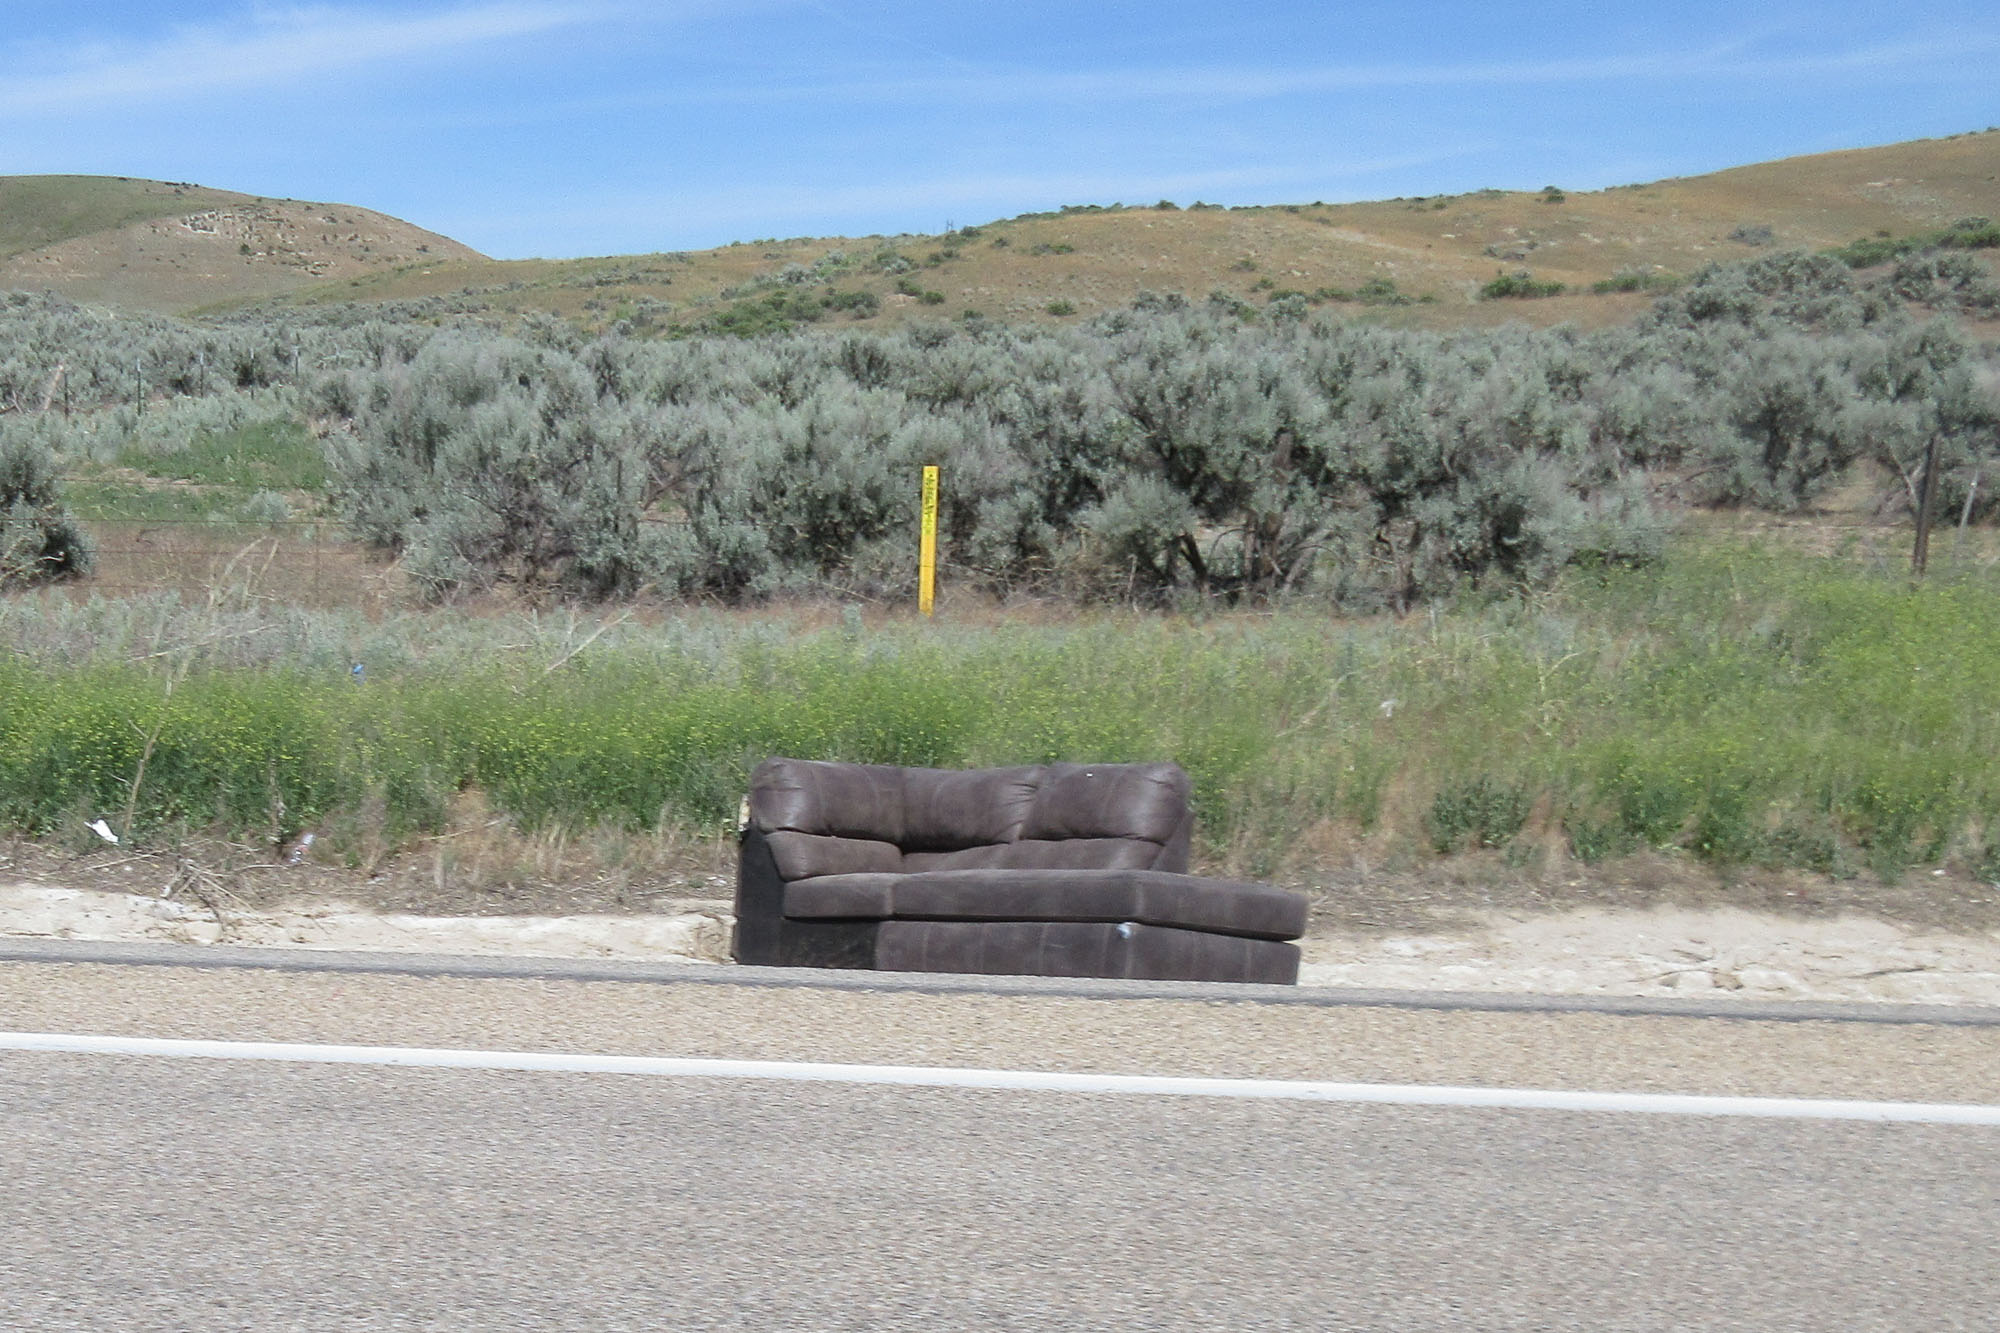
[(764, 937)]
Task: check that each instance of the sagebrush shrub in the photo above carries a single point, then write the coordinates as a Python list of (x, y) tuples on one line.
[(1946, 280), (1167, 451), (39, 540)]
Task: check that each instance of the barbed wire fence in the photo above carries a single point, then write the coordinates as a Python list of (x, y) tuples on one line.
[(312, 562)]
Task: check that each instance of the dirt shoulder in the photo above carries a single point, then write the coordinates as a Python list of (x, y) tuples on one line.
[(1652, 926), (1464, 891), (1454, 895)]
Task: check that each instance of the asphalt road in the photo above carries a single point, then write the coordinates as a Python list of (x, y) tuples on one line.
[(150, 1193)]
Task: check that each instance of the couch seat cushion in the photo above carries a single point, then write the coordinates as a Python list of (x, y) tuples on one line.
[(803, 855), (1151, 897)]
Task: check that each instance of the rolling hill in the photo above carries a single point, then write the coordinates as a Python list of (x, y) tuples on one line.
[(1412, 260), (155, 245), (1437, 251)]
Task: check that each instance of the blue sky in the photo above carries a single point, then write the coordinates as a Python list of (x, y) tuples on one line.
[(574, 127)]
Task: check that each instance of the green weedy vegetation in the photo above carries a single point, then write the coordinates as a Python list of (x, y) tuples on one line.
[(259, 455), (1972, 233), (1521, 285), (781, 311), (1375, 291), (1738, 706), (1637, 280)]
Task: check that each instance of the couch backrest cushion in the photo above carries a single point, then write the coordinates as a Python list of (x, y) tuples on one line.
[(830, 818), (831, 800), (1109, 801), (946, 810)]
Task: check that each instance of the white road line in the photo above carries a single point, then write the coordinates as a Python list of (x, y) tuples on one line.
[(1015, 1080)]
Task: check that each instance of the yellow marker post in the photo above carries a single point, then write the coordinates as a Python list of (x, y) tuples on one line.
[(927, 550)]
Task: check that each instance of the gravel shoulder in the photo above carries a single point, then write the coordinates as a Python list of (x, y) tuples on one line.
[(1552, 949), (1187, 1036)]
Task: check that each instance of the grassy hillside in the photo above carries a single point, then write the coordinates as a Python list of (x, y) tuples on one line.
[(1416, 261), (154, 245), (43, 210)]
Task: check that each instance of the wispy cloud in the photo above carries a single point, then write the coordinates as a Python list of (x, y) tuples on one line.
[(1737, 62), (269, 47)]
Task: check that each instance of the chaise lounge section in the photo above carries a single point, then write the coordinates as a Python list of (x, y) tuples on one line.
[(1062, 870)]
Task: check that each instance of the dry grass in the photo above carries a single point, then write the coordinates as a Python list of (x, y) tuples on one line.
[(481, 863), (176, 248), (130, 243), (44, 210), (293, 564), (1443, 247)]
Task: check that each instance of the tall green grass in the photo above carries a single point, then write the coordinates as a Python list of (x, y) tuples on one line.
[(1743, 706), (256, 455)]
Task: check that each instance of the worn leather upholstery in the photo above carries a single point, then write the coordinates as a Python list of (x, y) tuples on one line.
[(860, 865), (1083, 949), (950, 818), (1150, 897)]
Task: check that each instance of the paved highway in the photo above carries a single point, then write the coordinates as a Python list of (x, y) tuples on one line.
[(151, 1193)]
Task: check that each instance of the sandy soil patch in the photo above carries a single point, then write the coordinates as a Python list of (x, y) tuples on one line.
[(697, 935), (1672, 951), (1578, 951)]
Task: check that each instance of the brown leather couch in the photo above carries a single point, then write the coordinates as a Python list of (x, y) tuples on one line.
[(1063, 870)]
